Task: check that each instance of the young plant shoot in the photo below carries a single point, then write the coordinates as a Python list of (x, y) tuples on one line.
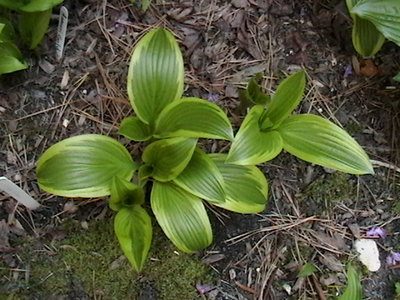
[(179, 174)]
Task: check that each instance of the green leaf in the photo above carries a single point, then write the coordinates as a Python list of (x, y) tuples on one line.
[(252, 145), (397, 77), (124, 193), (307, 270), (12, 4), (7, 32), (40, 5), (132, 226), (144, 172), (134, 129), (286, 98), (182, 217), (156, 74), (317, 140), (11, 59), (353, 290), (84, 166), (384, 14), (246, 187), (193, 117), (33, 26), (253, 92), (397, 288), (202, 178), (367, 40), (169, 157)]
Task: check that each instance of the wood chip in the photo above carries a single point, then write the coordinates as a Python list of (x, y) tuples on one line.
[(64, 80), (213, 258), (46, 66), (355, 230)]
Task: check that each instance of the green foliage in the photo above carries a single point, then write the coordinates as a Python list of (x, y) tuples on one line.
[(353, 289), (307, 270), (178, 174), (202, 178), (373, 21), (33, 26), (309, 137), (124, 193), (397, 289), (84, 166), (193, 117), (134, 129), (156, 74), (132, 226), (33, 23), (317, 140), (11, 59), (169, 157), (252, 145), (253, 93), (182, 216)]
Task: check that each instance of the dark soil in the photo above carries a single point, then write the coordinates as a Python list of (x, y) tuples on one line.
[(224, 43)]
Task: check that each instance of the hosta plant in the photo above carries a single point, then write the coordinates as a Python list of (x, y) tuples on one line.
[(11, 59), (174, 169), (373, 21), (34, 17)]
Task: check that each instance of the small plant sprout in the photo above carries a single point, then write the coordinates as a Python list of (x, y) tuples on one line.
[(353, 289), (176, 171)]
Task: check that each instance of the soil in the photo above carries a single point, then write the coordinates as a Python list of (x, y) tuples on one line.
[(314, 214)]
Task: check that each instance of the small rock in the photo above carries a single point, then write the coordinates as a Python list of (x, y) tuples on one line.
[(368, 253), (70, 207)]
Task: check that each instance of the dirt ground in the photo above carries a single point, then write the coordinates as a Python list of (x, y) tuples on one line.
[(66, 249)]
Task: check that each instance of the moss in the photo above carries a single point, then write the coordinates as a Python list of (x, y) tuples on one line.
[(79, 267), (320, 195), (353, 128), (175, 273)]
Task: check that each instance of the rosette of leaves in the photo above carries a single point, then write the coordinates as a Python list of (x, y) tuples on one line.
[(373, 21), (270, 127), (34, 18), (179, 174)]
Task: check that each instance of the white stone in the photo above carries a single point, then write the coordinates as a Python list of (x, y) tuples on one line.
[(369, 253)]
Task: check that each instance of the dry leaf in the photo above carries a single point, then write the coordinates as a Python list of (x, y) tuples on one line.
[(331, 262)]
